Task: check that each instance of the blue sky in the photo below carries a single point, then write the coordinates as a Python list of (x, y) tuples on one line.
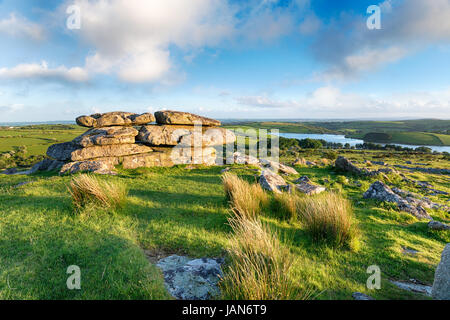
[(299, 59)]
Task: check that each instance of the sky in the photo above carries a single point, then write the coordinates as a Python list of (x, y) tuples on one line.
[(256, 59)]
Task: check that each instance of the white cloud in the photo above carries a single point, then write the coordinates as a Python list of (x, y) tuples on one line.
[(332, 102), (349, 48), (42, 71), (133, 37), (20, 27)]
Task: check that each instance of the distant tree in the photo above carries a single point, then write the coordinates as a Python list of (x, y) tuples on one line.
[(423, 150), (310, 143)]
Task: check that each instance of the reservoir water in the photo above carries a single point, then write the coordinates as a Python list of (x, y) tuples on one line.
[(342, 139)]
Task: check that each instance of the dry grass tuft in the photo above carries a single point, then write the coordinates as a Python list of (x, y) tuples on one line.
[(328, 217), (87, 190), (259, 267), (247, 199), (284, 206)]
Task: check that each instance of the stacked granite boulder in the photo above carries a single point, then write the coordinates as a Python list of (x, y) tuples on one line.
[(133, 141)]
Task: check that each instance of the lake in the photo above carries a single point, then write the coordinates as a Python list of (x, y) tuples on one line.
[(342, 139)]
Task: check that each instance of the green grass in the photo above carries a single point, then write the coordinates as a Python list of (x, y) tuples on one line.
[(38, 139), (175, 210)]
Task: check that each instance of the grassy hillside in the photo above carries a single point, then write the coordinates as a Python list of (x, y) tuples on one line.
[(177, 210), (37, 138), (415, 132)]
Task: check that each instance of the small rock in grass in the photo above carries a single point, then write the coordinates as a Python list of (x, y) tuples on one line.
[(191, 279), (437, 225), (361, 296)]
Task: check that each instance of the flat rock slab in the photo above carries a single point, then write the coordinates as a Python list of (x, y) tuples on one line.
[(278, 167), (178, 117), (239, 158), (413, 286), (106, 136), (441, 284), (361, 296), (168, 157), (271, 181), (309, 188), (115, 150), (191, 279), (116, 118), (99, 167), (172, 135)]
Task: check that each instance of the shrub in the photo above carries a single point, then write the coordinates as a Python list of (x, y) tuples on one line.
[(87, 190), (329, 217), (259, 266), (331, 155), (248, 199)]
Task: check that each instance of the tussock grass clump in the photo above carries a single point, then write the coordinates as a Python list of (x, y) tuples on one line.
[(329, 217), (87, 190), (284, 206), (247, 199), (259, 267)]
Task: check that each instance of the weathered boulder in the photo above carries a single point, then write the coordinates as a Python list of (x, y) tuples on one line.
[(344, 164), (116, 118), (437, 225), (168, 157), (178, 117), (94, 166), (62, 151), (271, 181), (302, 179), (309, 188), (114, 150), (441, 284), (239, 158), (47, 165), (189, 279), (106, 136), (380, 191), (299, 162), (172, 135), (276, 166)]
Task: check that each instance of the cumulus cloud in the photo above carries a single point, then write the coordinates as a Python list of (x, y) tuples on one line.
[(132, 38), (42, 71), (16, 26), (349, 48)]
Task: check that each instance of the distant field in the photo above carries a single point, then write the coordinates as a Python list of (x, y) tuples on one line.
[(36, 139)]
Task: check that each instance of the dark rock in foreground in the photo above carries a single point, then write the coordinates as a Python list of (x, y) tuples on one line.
[(441, 284), (188, 279)]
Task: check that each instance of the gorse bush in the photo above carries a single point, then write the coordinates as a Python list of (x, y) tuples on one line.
[(87, 190), (247, 199), (328, 217), (259, 264)]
